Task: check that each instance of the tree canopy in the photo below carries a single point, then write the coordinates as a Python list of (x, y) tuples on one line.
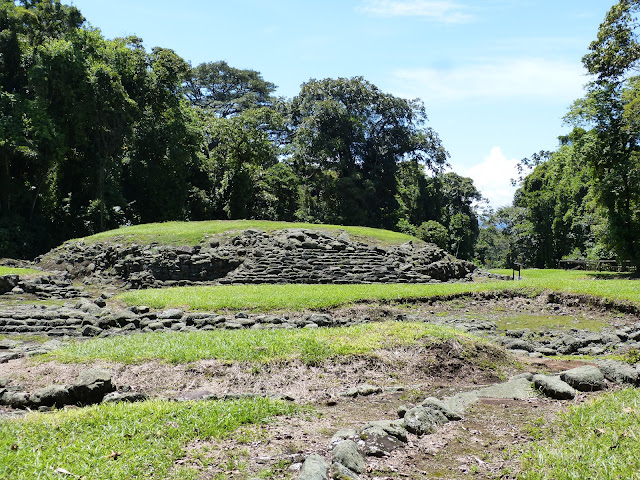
[(98, 133)]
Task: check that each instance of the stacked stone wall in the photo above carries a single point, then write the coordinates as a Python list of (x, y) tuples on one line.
[(286, 256)]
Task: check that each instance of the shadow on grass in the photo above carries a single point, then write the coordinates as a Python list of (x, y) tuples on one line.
[(614, 275)]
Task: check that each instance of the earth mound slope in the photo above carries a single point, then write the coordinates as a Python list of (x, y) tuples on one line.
[(292, 255)]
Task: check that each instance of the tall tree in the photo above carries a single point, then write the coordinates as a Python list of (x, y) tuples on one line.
[(224, 91), (610, 107), (348, 138)]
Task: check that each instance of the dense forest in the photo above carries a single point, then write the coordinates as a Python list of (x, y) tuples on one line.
[(98, 133), (583, 200)]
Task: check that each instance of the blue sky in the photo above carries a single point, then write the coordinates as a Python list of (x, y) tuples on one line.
[(497, 76)]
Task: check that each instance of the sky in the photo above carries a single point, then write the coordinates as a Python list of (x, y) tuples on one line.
[(496, 76)]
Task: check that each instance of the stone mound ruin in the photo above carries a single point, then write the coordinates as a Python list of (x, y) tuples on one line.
[(254, 256)]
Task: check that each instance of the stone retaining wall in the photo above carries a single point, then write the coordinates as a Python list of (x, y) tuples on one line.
[(253, 256)]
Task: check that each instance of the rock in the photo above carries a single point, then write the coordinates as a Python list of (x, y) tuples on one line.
[(314, 468), (395, 428), (436, 404), (124, 397), (340, 435), (320, 319), (91, 331), (363, 391), (6, 344), (340, 472), (52, 396), (618, 372), (6, 357), (92, 385), (584, 379), (8, 283), (518, 344), (171, 314), (423, 420), (546, 351), (346, 453), (377, 442), (553, 387), (15, 399)]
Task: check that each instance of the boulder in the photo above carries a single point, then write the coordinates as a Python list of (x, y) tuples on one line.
[(130, 397), (363, 391), (314, 468), (52, 396), (8, 283), (618, 372), (553, 387), (15, 399), (92, 385), (423, 420), (378, 442), (346, 454), (438, 405), (340, 472), (584, 379)]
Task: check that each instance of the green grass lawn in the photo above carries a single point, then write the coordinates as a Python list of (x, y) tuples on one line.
[(20, 271), (192, 233), (123, 440), (301, 297), (312, 346), (598, 440), (268, 297)]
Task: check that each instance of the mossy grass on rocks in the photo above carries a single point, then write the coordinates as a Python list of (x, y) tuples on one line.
[(192, 233)]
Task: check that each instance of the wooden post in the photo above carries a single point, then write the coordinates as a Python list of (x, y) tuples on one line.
[(516, 266)]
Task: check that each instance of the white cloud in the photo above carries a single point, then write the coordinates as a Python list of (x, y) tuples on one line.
[(493, 177), (532, 78), (444, 11)]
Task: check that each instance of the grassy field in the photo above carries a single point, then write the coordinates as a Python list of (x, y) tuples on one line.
[(311, 346), (598, 440), (302, 297), (123, 440), (269, 297), (20, 271), (192, 233)]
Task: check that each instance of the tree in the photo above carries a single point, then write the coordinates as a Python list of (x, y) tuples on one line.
[(224, 91), (241, 157), (348, 139), (611, 107)]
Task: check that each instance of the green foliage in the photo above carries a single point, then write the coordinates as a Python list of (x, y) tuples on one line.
[(121, 440), (311, 346), (224, 91), (299, 297), (610, 108), (98, 133), (348, 138), (19, 271), (596, 440), (433, 232)]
